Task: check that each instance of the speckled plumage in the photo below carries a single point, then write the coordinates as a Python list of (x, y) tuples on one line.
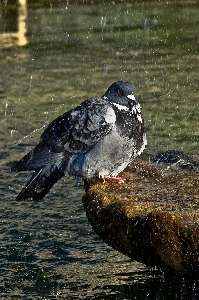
[(98, 138)]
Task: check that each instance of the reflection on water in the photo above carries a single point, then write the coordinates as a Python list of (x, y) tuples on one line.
[(72, 51), (13, 24)]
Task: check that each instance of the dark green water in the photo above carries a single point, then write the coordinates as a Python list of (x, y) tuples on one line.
[(52, 57)]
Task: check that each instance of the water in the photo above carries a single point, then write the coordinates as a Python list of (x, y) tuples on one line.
[(52, 57)]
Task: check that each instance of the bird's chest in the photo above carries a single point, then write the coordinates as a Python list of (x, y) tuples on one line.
[(128, 123), (108, 155)]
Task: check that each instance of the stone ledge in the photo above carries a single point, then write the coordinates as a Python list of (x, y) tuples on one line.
[(153, 217)]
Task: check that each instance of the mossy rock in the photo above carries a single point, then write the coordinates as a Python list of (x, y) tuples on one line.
[(153, 217)]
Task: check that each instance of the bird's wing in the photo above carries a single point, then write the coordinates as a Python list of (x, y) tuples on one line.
[(76, 131)]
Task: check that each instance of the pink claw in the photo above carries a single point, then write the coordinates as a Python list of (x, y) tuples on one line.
[(113, 179)]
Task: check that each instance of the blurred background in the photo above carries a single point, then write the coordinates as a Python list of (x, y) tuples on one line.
[(54, 55)]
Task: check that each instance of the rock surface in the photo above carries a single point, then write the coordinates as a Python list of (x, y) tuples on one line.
[(153, 217)]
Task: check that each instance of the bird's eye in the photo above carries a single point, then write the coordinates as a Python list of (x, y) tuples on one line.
[(118, 91)]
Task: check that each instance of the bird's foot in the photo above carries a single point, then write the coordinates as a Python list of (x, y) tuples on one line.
[(112, 179)]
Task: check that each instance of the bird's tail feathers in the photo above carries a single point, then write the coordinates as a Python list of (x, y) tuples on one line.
[(40, 183), (28, 161)]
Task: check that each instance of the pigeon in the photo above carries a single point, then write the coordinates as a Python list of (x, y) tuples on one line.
[(98, 138)]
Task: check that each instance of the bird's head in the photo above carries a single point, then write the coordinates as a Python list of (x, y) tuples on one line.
[(121, 93)]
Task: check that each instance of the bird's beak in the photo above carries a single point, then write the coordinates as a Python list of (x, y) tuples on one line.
[(131, 97), (132, 101)]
